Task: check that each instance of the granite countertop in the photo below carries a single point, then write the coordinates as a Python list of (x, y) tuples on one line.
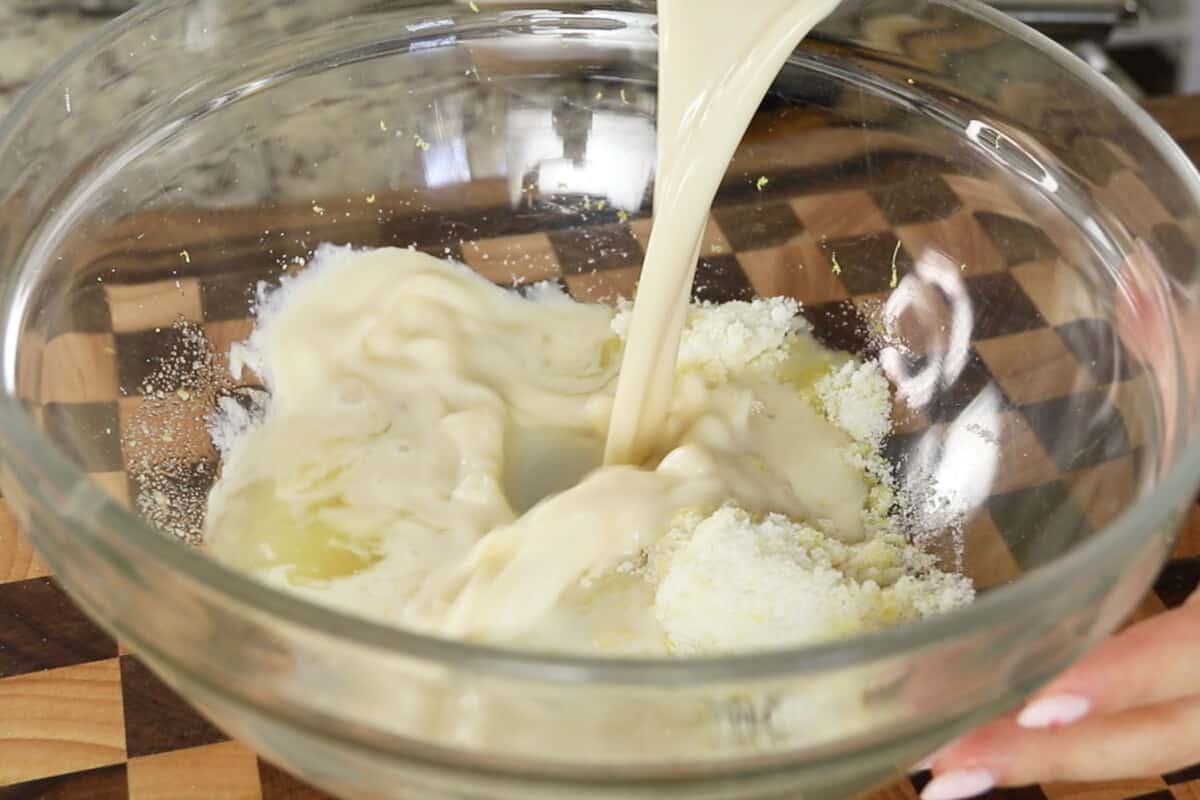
[(35, 32)]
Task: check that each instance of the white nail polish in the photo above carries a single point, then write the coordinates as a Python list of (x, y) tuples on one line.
[(1054, 711), (959, 785)]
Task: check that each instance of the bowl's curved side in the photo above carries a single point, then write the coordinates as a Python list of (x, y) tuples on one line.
[(950, 91)]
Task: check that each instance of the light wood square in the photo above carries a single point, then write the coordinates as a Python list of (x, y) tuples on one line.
[(1135, 399), (1105, 491), (1186, 791), (115, 484), (1023, 460), (1188, 545), (145, 306), (18, 561), (978, 194), (958, 240), (839, 215), (1058, 291), (797, 269), (1034, 366), (61, 721), (1137, 205), (79, 368), (168, 429), (987, 559), (228, 770), (527, 258), (603, 286)]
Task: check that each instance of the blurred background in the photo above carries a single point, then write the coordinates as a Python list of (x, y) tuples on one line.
[(1148, 47)]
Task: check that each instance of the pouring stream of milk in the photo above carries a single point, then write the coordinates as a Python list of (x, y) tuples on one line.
[(717, 60)]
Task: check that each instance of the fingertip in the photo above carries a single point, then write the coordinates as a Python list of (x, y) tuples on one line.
[(1054, 711)]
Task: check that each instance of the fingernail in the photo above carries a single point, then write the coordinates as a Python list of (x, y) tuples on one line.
[(959, 785), (923, 764), (1054, 711)]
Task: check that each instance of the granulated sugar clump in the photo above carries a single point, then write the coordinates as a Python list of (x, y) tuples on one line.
[(719, 339), (729, 582), (855, 397)]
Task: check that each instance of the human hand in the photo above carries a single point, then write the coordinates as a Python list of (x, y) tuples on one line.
[(1129, 709)]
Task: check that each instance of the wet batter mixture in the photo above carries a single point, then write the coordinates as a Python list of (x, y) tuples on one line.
[(666, 479), (431, 455)]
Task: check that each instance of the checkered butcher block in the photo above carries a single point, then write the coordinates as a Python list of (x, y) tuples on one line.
[(81, 718)]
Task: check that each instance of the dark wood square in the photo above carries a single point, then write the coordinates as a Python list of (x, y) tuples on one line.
[(923, 197), (105, 783), (866, 261), (280, 785), (40, 628), (82, 308), (585, 249), (1079, 430), (1100, 350), (156, 718), (435, 228), (1175, 252), (840, 326), (227, 296), (142, 355), (1017, 240), (1001, 306), (1019, 793), (1178, 581), (974, 380), (1038, 523), (448, 250), (720, 279), (758, 226), (1186, 775), (1091, 157)]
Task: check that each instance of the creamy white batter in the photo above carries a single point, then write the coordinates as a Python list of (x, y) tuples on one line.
[(431, 456), (443, 454)]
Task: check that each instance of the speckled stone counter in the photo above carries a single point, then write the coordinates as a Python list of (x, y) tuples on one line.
[(35, 32)]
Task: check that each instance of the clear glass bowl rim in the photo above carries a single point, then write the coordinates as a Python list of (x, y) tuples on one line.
[(19, 435)]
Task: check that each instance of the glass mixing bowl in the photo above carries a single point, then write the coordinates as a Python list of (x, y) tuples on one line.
[(937, 184)]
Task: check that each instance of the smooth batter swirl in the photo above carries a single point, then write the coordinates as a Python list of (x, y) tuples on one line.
[(431, 452)]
